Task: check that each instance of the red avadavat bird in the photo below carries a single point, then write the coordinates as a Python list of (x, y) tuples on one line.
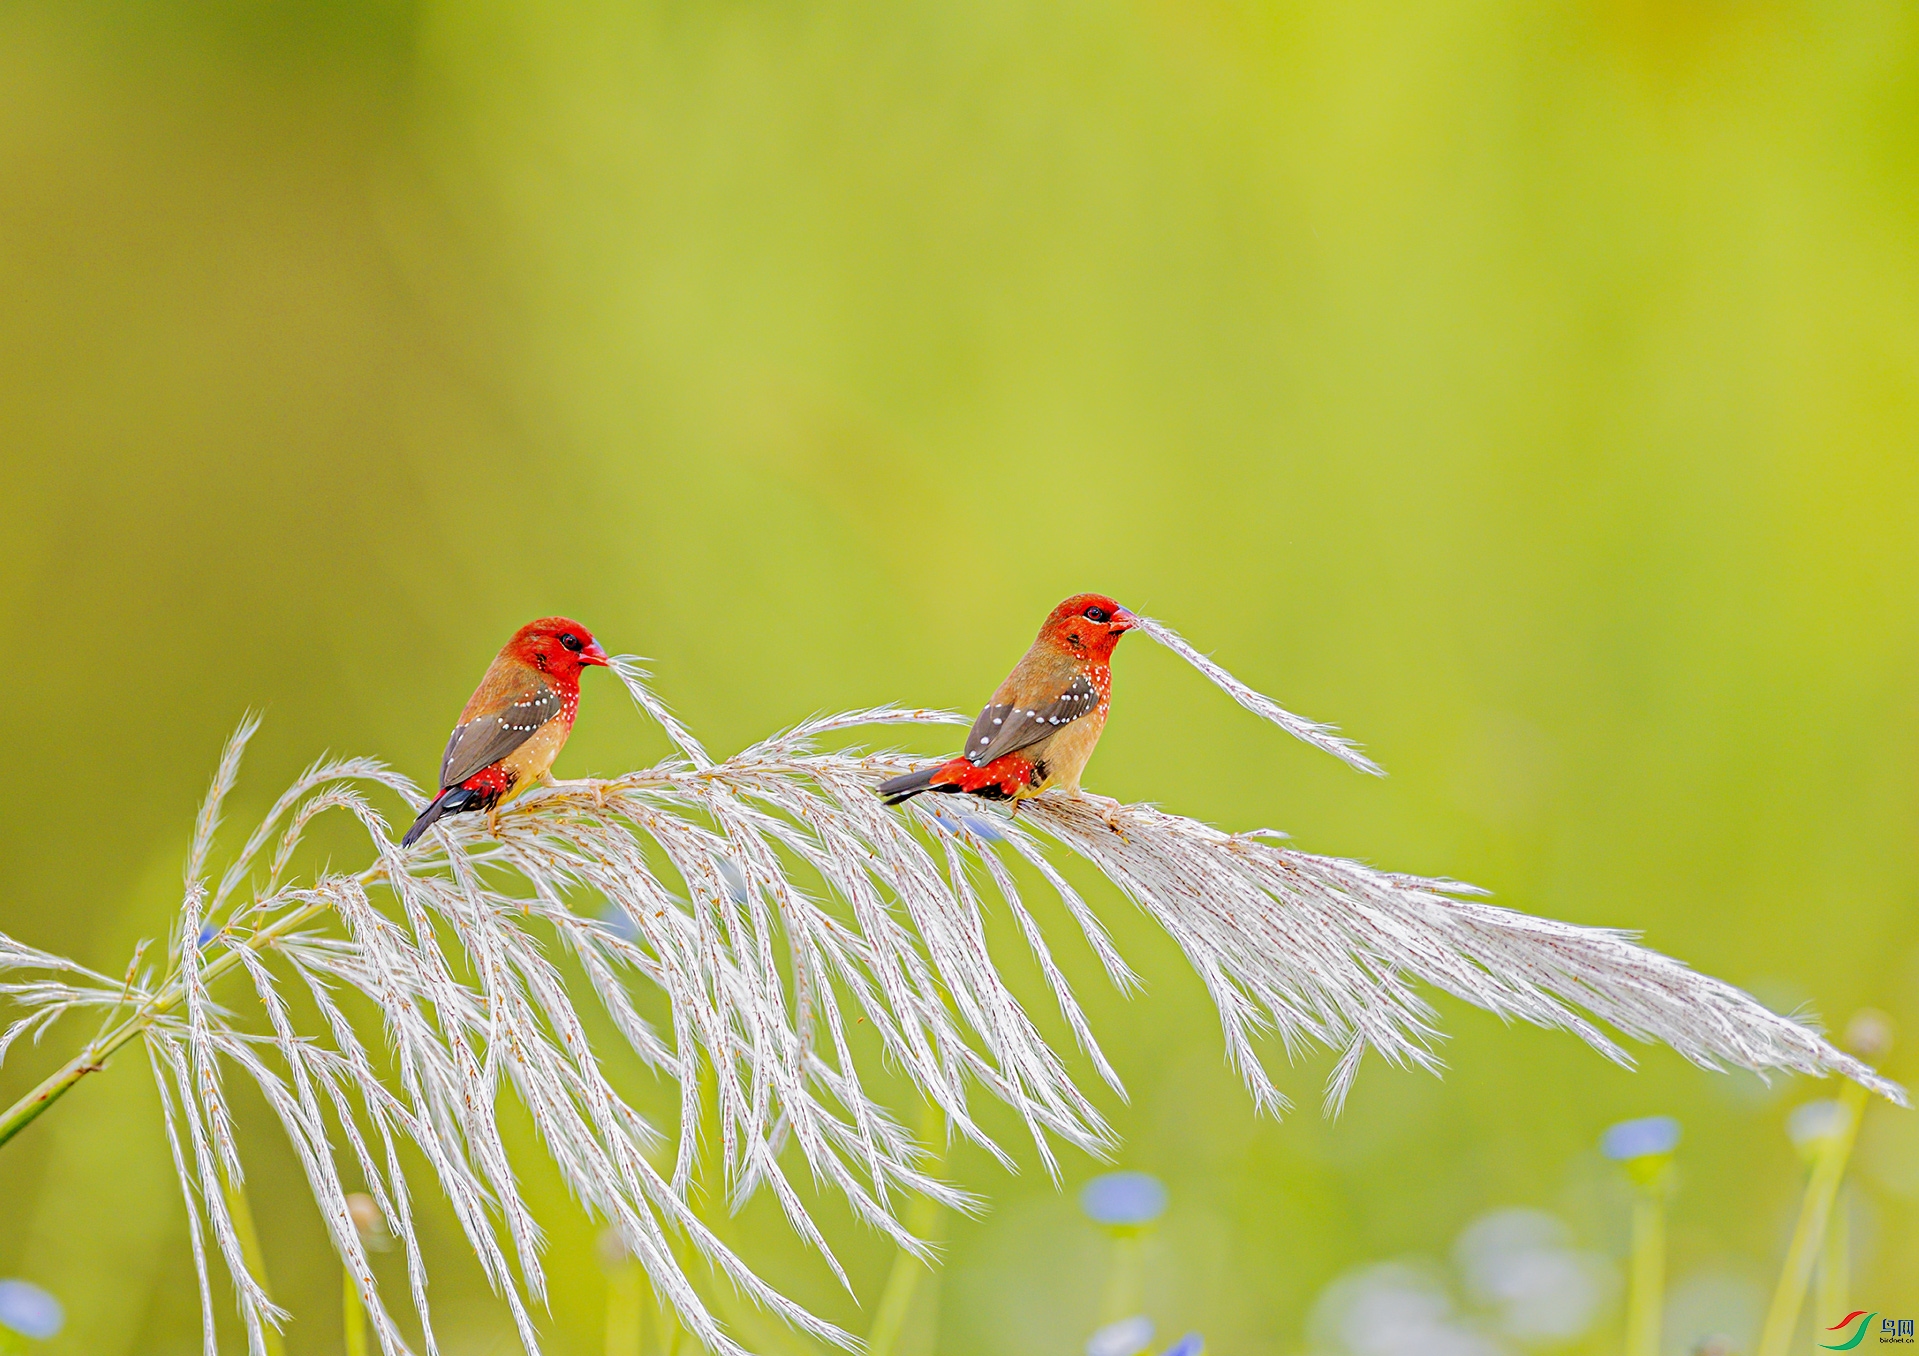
[(516, 722), (1044, 720)]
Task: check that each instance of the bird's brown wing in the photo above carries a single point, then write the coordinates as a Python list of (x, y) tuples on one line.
[(1008, 727), (486, 739)]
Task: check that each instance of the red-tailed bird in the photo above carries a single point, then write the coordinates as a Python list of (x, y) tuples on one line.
[(1044, 720), (516, 722)]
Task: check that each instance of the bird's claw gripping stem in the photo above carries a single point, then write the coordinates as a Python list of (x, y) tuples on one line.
[(1109, 812)]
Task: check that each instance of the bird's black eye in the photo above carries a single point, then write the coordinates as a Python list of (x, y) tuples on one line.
[(572, 642), (1097, 614)]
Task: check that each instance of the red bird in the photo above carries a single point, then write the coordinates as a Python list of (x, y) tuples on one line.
[(1045, 718), (516, 722)]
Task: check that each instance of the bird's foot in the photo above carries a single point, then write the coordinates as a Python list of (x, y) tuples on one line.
[(999, 809), (493, 823), (1109, 811)]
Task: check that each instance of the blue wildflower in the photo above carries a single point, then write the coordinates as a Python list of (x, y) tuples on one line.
[(1128, 1337), (733, 879), (613, 918), (1123, 1199), (1638, 1139), (29, 1310), (207, 934), (956, 824), (1811, 1122), (1189, 1345), (981, 829)]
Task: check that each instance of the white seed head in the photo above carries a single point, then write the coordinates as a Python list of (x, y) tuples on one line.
[(764, 976)]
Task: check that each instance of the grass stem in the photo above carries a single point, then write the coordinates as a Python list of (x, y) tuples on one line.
[(1808, 1235), (669, 1328), (1646, 1304), (353, 1310), (624, 1286), (896, 1301), (93, 1057), (1832, 1284), (242, 1215)]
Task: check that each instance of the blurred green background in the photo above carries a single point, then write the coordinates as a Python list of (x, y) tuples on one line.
[(1532, 389)]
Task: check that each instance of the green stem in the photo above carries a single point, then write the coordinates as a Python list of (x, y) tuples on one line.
[(354, 1311), (93, 1057), (1815, 1209), (55, 1086), (256, 1260), (1645, 1306), (623, 1289), (669, 1327), (896, 1301), (1833, 1288)]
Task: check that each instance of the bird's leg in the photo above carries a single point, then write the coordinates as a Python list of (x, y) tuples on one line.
[(493, 820), (1109, 810), (594, 784)]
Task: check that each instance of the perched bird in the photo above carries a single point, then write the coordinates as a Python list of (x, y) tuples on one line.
[(1044, 720), (516, 722)]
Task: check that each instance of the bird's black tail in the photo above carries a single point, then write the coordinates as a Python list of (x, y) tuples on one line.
[(909, 785), (452, 801)]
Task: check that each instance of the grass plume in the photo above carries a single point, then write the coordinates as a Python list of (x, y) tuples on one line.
[(774, 903)]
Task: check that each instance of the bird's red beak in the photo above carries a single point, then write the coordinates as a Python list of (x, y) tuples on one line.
[(1123, 621), (593, 654)]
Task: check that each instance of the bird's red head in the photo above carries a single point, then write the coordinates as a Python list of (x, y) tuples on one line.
[(1088, 625), (557, 646)]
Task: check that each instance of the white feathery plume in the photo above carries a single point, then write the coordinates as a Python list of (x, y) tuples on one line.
[(630, 671), (48, 1000), (1326, 737), (156, 1043), (774, 903)]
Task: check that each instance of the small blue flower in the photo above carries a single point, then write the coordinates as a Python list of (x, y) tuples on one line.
[(981, 829), (1637, 1139), (613, 918), (1189, 1345), (1123, 1199), (733, 879), (207, 934), (1814, 1121), (1128, 1337), (29, 1310), (956, 824)]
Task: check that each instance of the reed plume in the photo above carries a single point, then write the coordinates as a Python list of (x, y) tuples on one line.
[(774, 903)]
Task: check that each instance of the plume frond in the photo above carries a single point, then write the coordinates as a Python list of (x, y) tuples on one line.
[(775, 904), (1324, 737)]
